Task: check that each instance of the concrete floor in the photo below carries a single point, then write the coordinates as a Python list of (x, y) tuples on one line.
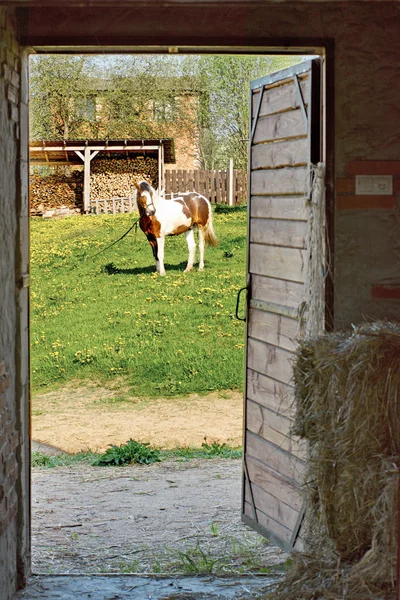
[(139, 587)]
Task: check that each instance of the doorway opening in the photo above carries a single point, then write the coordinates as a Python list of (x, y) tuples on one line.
[(174, 371)]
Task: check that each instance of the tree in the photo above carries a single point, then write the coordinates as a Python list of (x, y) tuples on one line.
[(224, 114), (62, 97), (134, 97), (203, 98)]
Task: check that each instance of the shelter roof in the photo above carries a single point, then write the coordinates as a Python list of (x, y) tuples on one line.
[(65, 151)]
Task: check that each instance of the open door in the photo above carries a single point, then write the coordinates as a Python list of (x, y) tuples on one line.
[(285, 239)]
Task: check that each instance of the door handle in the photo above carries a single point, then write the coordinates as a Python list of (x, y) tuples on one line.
[(237, 304)]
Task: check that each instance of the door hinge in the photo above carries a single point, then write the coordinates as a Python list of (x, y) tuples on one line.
[(24, 280)]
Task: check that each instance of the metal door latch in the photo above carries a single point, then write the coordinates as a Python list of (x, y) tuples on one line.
[(237, 304)]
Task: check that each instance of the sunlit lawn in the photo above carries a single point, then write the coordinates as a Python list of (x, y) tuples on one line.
[(113, 316)]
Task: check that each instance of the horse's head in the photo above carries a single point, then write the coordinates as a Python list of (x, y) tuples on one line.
[(145, 198)]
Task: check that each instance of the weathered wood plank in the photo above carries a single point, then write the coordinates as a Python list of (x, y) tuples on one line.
[(281, 126), (280, 182), (274, 457), (279, 291), (276, 529), (275, 484), (279, 262), (279, 207), (263, 500), (275, 232), (273, 329), (281, 97), (270, 360), (274, 428), (290, 153), (272, 394)]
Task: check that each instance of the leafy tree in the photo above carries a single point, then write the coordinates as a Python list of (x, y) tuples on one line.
[(224, 114), (61, 97), (112, 98), (150, 96)]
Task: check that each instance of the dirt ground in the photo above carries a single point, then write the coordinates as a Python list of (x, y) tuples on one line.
[(75, 419), (170, 517)]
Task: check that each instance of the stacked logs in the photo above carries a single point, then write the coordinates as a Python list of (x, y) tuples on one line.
[(54, 191), (110, 178), (116, 178)]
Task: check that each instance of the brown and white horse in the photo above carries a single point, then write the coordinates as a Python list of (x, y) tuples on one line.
[(160, 217)]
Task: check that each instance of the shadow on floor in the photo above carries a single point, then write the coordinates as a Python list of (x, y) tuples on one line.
[(139, 587)]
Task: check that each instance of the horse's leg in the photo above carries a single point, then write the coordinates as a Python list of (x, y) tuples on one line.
[(201, 248), (160, 264), (189, 234), (154, 246)]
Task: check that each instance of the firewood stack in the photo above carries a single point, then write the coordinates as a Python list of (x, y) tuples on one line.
[(109, 178), (116, 178), (55, 191)]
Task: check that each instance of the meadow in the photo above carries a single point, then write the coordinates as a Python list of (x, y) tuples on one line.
[(112, 316)]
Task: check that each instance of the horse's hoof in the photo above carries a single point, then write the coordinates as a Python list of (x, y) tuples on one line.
[(187, 270), (201, 268), (162, 274)]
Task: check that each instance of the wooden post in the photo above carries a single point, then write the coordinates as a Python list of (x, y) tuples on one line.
[(87, 157), (230, 187), (160, 167), (86, 180)]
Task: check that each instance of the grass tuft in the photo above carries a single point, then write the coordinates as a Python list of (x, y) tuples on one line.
[(39, 459), (125, 454)]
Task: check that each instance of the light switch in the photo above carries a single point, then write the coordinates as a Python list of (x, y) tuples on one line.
[(374, 185)]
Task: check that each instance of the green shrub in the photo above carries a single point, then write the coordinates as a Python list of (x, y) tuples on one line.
[(125, 454)]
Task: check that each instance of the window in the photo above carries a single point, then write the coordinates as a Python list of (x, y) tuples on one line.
[(164, 109), (86, 108)]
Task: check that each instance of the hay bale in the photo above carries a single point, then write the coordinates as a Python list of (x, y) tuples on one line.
[(348, 409)]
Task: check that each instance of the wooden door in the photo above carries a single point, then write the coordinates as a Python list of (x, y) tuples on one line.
[(285, 147)]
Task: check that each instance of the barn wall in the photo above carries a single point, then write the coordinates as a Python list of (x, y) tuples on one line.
[(367, 96), (13, 498)]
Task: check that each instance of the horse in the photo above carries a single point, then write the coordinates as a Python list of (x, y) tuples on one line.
[(159, 218)]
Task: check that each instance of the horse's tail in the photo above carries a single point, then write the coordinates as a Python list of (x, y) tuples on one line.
[(209, 234)]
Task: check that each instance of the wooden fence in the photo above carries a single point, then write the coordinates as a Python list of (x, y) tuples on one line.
[(214, 185), (113, 205)]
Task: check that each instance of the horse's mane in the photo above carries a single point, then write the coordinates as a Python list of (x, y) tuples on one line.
[(145, 187)]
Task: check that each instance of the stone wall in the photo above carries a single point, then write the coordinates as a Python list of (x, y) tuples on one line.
[(9, 435)]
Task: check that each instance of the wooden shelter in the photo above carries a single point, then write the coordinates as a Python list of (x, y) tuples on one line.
[(72, 152)]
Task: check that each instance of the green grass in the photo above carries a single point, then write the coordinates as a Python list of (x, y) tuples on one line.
[(134, 452), (113, 316), (38, 459), (213, 450)]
